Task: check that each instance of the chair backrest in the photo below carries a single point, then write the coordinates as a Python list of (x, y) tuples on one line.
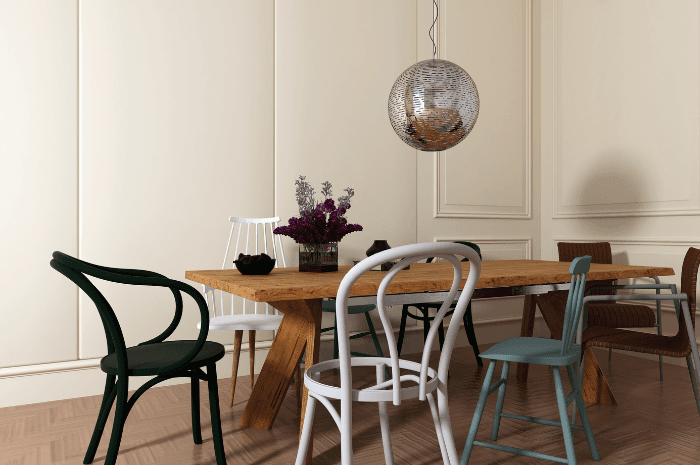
[(600, 252), (470, 244), (574, 303), (689, 283), (407, 254), (75, 270), (249, 245)]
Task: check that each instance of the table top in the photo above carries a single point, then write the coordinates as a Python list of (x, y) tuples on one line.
[(290, 284)]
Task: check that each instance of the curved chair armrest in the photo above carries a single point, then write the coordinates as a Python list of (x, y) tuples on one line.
[(149, 278), (629, 286), (103, 272), (174, 286), (658, 285), (611, 298), (94, 270)]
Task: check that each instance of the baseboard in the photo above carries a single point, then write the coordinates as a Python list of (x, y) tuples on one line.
[(81, 378)]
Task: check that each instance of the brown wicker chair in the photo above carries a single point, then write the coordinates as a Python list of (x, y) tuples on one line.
[(611, 314), (679, 345)]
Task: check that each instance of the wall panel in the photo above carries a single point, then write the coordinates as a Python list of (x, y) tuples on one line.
[(38, 178), (489, 174), (176, 137), (335, 65), (626, 108)]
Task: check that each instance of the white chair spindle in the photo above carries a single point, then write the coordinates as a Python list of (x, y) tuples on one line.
[(238, 240), (279, 238)]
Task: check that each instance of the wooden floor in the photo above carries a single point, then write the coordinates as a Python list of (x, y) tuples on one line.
[(655, 422)]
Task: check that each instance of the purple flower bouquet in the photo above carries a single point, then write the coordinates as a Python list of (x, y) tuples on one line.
[(319, 227)]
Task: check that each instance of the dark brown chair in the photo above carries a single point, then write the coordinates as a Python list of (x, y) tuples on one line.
[(679, 345), (611, 314)]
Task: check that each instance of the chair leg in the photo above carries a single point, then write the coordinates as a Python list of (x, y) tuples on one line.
[(299, 384), (441, 335), (469, 329), (578, 400), (120, 413), (426, 322), (375, 339), (499, 402), (580, 371), (610, 354), (335, 337), (481, 403), (691, 371), (306, 429), (107, 402), (373, 333), (196, 427), (251, 352), (564, 417), (384, 421), (234, 369), (402, 329), (660, 331), (438, 428), (217, 438)]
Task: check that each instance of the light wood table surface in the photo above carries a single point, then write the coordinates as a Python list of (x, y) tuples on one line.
[(298, 296)]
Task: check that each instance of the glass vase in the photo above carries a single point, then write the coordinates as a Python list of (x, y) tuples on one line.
[(318, 258)]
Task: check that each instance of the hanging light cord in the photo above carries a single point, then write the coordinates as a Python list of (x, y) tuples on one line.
[(430, 32)]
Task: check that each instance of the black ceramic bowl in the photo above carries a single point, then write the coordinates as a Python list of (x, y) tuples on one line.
[(256, 267)]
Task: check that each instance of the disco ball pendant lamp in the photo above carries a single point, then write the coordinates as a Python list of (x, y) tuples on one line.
[(434, 104)]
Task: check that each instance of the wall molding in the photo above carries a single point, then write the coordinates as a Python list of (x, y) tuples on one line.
[(527, 241), (490, 211), (663, 241), (636, 209)]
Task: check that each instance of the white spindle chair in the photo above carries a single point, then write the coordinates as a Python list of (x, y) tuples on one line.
[(426, 379), (263, 317)]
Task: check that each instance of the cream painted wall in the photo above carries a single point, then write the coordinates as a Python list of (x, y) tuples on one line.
[(614, 165), (130, 131), (482, 190), (38, 179), (335, 63), (620, 115), (176, 124)]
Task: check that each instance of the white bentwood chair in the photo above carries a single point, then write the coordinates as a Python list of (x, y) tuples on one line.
[(264, 317), (424, 380)]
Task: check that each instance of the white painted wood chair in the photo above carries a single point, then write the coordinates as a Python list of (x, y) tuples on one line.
[(264, 317), (422, 380)]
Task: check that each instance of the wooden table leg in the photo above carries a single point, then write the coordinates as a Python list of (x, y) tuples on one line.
[(595, 387), (527, 330), (301, 327), (313, 346)]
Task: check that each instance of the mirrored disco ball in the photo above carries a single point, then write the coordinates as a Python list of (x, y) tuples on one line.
[(433, 105)]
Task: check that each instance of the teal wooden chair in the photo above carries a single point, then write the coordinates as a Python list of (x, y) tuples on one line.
[(539, 351)]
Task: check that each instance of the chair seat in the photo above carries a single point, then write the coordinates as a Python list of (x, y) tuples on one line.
[(533, 350), (252, 322), (148, 360), (621, 316), (635, 341), (328, 306), (384, 394)]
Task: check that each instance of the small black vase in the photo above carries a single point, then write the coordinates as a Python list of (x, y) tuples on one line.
[(377, 246)]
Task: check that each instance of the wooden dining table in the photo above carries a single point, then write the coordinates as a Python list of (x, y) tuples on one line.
[(299, 295)]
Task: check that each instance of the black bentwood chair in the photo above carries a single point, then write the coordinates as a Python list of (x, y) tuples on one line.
[(163, 360)]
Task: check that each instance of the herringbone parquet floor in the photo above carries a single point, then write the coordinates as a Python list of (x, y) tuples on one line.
[(655, 423)]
